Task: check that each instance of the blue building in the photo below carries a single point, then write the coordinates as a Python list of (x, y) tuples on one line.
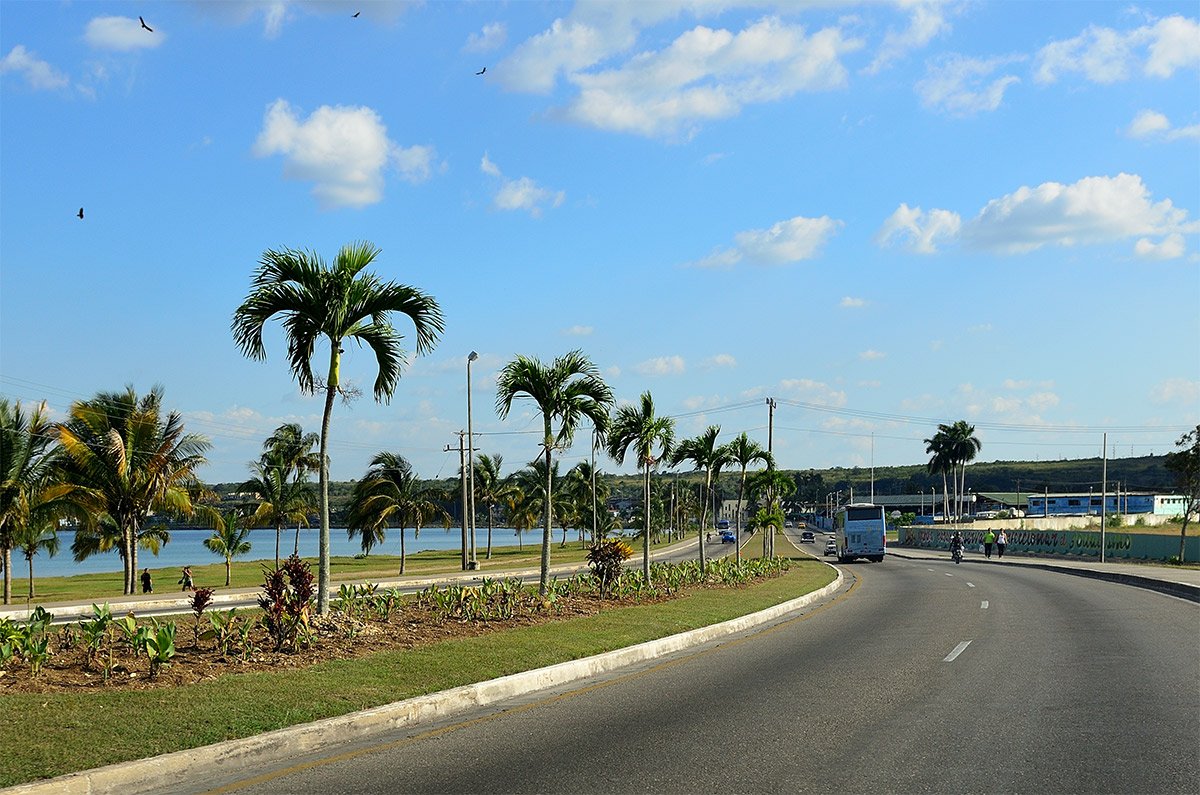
[(1068, 504)]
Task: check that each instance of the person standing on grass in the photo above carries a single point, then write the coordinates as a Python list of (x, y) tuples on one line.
[(989, 538), (147, 583), (1001, 543), (186, 579)]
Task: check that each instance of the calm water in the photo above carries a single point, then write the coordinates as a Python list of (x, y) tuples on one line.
[(186, 548)]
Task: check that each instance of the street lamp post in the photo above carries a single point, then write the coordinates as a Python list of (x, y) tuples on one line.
[(471, 460)]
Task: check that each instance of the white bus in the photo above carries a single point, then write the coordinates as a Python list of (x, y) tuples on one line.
[(859, 532)]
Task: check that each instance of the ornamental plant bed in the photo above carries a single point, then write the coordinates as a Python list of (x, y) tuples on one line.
[(111, 652)]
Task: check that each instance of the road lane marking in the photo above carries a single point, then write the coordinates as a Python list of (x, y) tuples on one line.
[(948, 574), (970, 585), (983, 605), (929, 569), (959, 649)]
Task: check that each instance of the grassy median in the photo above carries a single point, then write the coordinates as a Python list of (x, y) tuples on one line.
[(48, 734)]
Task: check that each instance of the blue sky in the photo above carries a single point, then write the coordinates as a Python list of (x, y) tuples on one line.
[(882, 215)]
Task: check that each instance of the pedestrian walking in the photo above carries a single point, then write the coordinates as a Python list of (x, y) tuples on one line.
[(147, 583), (989, 538), (1001, 543), (186, 579)]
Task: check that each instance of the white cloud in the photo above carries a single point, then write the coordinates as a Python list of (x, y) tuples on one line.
[(38, 74), (707, 74), (122, 34), (871, 355), (1176, 390), (492, 37), (926, 22), (662, 365), (962, 86), (1154, 125), (923, 231), (578, 331), (810, 391), (1104, 55), (1092, 211), (1171, 247), (344, 150), (720, 360), (1012, 383), (521, 193), (852, 303), (788, 241)]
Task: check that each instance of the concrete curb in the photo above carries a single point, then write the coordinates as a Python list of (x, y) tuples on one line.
[(1182, 590), (162, 773)]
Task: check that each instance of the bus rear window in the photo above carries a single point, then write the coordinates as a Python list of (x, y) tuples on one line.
[(863, 514)]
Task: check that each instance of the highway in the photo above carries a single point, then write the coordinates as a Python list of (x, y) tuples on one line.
[(919, 676)]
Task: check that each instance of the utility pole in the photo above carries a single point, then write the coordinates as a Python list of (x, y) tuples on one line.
[(769, 539), (462, 473), (872, 467), (1103, 494)]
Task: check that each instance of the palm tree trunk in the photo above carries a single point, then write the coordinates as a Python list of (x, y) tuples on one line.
[(7, 575), (296, 546), (704, 518), (278, 533), (228, 570), (323, 543), (488, 556), (402, 549), (30, 559), (646, 537), (544, 580), (737, 544)]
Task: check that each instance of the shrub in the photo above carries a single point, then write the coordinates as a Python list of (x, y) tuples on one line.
[(606, 559), (287, 603)]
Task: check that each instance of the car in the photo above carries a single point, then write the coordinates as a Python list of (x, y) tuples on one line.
[(807, 537), (728, 537), (831, 547), (789, 523)]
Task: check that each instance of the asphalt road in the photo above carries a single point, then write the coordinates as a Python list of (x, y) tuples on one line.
[(921, 676)]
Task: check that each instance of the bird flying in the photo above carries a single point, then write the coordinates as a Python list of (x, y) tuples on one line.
[(144, 25), (481, 71), (355, 14), (80, 213)]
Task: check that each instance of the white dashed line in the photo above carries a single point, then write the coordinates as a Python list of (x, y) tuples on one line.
[(948, 574), (983, 605), (929, 569), (959, 649), (970, 585)]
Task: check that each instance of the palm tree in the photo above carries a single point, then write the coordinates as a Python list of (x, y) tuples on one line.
[(964, 445), (744, 452), (33, 537), (280, 502), (293, 448), (566, 391), (938, 449), (389, 495), (338, 302), (490, 489), (27, 461), (651, 438), (124, 461), (774, 485), (704, 453), (229, 539)]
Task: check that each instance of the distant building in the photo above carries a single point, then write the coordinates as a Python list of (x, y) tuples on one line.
[(1080, 504)]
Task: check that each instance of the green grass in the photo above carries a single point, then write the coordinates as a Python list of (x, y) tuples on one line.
[(49, 734), (248, 574)]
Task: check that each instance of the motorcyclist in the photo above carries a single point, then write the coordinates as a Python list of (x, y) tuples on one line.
[(956, 545)]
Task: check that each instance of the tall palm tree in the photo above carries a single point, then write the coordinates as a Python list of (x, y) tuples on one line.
[(125, 460), (743, 451), (293, 448), (27, 461), (773, 485), (490, 489), (280, 501), (964, 445), (230, 539), (334, 302), (651, 438), (705, 454), (389, 495), (566, 391), (937, 447), (36, 536)]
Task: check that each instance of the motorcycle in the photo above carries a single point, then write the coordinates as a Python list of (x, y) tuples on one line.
[(956, 554)]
